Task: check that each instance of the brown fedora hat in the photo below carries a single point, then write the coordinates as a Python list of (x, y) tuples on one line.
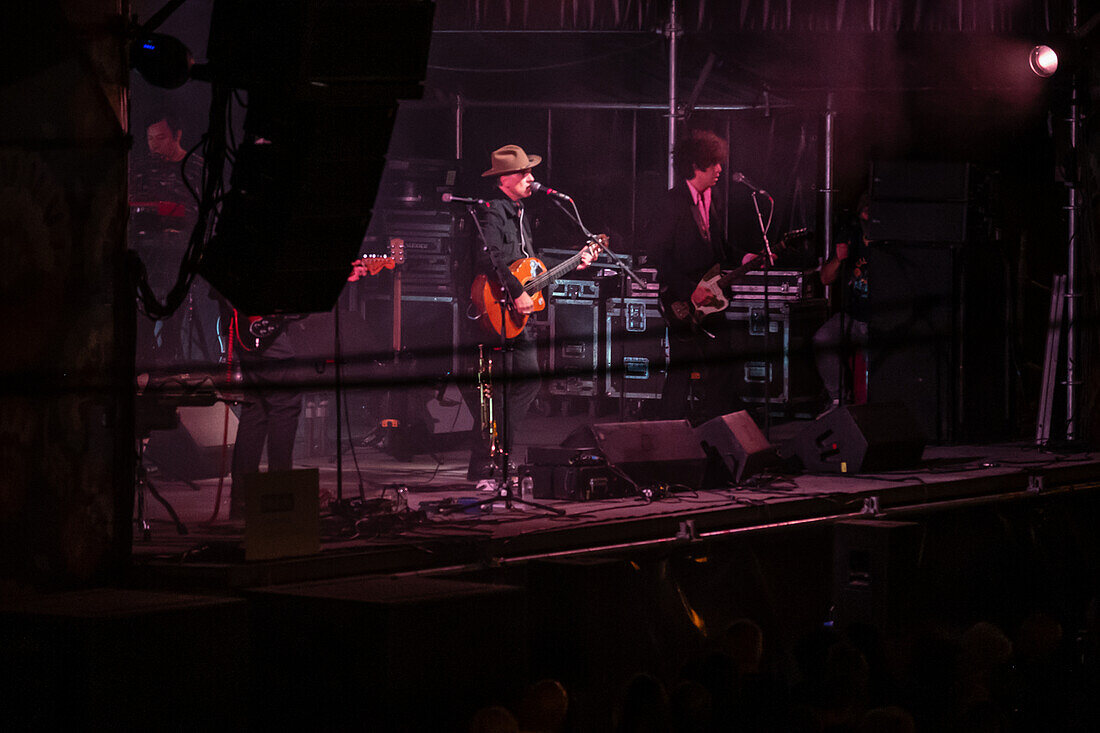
[(510, 159)]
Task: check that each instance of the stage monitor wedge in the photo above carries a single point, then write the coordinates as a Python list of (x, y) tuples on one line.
[(194, 449), (860, 439), (656, 452), (738, 443)]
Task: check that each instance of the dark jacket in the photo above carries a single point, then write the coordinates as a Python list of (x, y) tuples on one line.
[(501, 223), (677, 245)]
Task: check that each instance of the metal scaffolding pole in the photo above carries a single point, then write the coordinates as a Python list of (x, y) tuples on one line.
[(827, 190), (1073, 206), (673, 31)]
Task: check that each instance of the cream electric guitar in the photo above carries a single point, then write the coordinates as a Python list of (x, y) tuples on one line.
[(710, 294)]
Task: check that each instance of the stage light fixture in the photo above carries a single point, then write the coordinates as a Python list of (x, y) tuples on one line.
[(1043, 61), (163, 61)]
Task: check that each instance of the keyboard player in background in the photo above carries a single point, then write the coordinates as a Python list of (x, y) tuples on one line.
[(163, 205)]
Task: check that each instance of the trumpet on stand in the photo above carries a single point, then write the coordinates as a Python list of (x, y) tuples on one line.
[(489, 435)]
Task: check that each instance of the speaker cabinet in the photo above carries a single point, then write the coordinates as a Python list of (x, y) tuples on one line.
[(914, 330), (737, 442), (431, 336), (918, 221), (875, 566), (657, 452), (193, 450), (913, 180), (859, 439)]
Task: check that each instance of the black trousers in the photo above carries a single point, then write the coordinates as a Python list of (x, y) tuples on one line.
[(703, 379), (268, 417), (522, 383)]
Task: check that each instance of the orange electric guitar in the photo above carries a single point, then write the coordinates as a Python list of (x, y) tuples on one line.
[(487, 294)]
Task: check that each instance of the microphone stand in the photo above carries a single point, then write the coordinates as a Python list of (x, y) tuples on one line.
[(620, 262), (768, 256), (576, 217)]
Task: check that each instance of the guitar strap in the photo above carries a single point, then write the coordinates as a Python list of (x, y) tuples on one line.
[(524, 243)]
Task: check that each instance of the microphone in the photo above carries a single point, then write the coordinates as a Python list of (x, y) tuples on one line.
[(536, 186), (742, 178), (464, 200)]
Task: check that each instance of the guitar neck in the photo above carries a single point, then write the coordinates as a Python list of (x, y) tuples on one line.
[(732, 275), (540, 281), (758, 260)]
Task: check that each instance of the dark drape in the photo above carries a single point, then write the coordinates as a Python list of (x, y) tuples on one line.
[(982, 16)]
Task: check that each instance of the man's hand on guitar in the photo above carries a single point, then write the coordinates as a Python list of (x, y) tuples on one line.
[(592, 250), (750, 257), (524, 304), (705, 296), (368, 265)]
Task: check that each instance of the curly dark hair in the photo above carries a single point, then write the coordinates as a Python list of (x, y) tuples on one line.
[(167, 114), (698, 150)]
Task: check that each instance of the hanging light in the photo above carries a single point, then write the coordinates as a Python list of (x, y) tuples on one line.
[(162, 60), (1043, 61)]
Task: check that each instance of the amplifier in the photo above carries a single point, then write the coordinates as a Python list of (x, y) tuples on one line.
[(775, 353), (576, 483), (431, 333), (427, 269), (781, 285), (636, 349), (436, 267), (419, 244), (428, 223)]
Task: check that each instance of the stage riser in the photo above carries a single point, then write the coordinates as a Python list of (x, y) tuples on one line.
[(420, 653), (350, 652), (107, 659)]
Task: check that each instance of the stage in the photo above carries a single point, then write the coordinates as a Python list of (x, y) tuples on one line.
[(397, 624), (436, 536)]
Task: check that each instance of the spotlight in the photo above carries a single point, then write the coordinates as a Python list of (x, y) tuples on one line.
[(163, 60), (1043, 61)]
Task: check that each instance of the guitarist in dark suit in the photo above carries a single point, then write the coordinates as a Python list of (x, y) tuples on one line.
[(507, 228), (272, 401), (686, 238), (271, 406)]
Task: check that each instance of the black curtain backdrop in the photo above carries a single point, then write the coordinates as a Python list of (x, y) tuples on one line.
[(991, 16)]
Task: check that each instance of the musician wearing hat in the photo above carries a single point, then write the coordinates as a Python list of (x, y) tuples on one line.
[(506, 225)]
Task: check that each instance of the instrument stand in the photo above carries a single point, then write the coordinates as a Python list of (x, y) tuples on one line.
[(1057, 333), (195, 332), (503, 491), (143, 485)]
